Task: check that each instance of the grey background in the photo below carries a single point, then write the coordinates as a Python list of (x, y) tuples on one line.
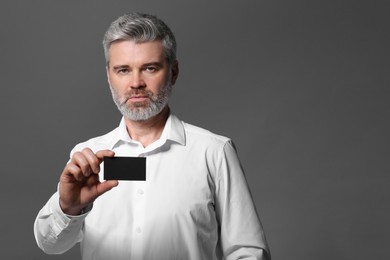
[(300, 86)]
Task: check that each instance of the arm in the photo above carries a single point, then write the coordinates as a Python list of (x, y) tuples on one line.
[(56, 232), (58, 226), (242, 236)]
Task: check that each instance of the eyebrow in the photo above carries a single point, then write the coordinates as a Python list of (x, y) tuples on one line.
[(120, 67), (156, 63)]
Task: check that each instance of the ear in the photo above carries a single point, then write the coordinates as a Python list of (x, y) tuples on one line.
[(175, 72), (108, 74)]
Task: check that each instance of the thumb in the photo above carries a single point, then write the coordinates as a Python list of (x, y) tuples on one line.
[(106, 186)]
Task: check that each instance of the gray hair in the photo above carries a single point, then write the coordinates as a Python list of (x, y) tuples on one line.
[(141, 28)]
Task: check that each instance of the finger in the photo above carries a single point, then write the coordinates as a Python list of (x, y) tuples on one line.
[(71, 173), (104, 153), (106, 186), (92, 159), (80, 160)]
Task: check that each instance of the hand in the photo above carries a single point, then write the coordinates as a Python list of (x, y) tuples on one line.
[(79, 181)]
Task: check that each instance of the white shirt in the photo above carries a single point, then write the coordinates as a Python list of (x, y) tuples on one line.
[(194, 204)]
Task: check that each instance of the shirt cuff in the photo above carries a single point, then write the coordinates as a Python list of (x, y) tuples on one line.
[(63, 220)]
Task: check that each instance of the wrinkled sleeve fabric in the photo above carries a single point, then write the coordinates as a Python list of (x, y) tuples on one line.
[(56, 232), (241, 232)]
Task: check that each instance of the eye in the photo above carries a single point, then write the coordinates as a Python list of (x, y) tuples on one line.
[(151, 69), (123, 71)]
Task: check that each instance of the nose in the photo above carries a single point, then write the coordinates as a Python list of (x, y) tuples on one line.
[(137, 80)]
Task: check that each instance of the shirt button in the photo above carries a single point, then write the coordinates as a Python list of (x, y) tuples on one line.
[(138, 229), (140, 191)]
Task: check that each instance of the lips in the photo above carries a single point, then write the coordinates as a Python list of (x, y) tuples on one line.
[(138, 98)]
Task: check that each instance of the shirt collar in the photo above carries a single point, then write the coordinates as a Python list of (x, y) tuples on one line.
[(173, 131), (176, 132)]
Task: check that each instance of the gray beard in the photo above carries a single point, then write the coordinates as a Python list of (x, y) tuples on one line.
[(141, 113)]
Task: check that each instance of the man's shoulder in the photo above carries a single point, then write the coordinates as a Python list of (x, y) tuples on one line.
[(198, 134), (97, 143)]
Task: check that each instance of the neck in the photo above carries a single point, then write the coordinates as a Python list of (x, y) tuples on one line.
[(148, 131)]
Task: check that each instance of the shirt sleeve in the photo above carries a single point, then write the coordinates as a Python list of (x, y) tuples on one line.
[(241, 232), (56, 232)]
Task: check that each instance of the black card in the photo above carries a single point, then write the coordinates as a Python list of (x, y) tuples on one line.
[(125, 168)]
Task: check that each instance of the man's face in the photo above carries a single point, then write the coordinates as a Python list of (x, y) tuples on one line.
[(140, 78)]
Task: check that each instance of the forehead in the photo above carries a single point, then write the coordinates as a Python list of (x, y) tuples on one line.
[(131, 52)]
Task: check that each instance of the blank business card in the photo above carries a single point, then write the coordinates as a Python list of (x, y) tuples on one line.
[(125, 168)]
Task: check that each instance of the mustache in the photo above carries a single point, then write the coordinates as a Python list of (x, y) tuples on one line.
[(135, 93)]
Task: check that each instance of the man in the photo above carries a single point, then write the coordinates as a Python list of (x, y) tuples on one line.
[(195, 202)]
